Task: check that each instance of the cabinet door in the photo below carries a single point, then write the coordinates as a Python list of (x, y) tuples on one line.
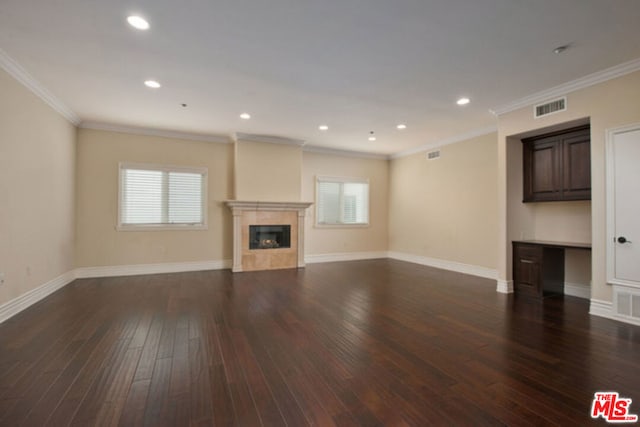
[(541, 170), (576, 165), (527, 269), (557, 166)]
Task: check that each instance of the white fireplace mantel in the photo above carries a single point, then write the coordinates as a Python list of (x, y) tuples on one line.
[(239, 207), (247, 205)]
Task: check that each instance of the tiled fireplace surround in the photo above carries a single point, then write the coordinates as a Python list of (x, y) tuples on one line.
[(246, 213)]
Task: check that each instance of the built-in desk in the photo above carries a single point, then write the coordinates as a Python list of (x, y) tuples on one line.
[(538, 266)]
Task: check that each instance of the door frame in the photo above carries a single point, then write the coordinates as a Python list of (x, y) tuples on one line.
[(610, 202)]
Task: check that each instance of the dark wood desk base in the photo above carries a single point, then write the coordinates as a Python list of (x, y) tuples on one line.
[(538, 267)]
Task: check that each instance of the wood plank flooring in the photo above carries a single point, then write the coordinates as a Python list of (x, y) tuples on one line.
[(378, 342)]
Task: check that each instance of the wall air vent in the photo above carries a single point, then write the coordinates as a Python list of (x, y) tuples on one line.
[(550, 107), (432, 155), (627, 303)]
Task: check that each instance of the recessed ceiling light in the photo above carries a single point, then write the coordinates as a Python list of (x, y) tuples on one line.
[(463, 101), (372, 138), (152, 84), (323, 127), (138, 22), (401, 126), (245, 116)]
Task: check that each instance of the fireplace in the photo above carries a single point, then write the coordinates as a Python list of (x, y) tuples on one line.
[(269, 236)]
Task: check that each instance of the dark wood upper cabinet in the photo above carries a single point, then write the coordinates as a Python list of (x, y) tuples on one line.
[(557, 166), (576, 162)]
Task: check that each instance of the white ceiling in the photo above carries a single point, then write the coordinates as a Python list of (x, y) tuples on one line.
[(355, 65)]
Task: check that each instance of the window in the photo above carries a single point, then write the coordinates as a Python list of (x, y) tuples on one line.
[(342, 201), (153, 196)]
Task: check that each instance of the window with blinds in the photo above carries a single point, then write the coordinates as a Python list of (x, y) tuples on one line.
[(342, 201), (162, 196)]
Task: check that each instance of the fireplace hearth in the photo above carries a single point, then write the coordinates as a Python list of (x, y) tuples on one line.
[(269, 236)]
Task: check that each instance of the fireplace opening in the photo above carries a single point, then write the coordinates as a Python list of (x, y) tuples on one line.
[(269, 236)]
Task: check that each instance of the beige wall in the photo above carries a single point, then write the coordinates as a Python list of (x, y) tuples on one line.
[(37, 155), (555, 221), (327, 240), (267, 172), (446, 208), (98, 243), (606, 105)]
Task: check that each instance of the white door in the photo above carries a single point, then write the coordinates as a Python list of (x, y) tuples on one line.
[(623, 189)]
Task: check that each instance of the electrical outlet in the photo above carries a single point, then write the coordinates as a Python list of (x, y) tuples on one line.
[(1, 278)]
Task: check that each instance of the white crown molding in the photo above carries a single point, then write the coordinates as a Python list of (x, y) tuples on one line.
[(578, 290), (474, 270), (454, 139), (345, 153), (239, 136), (572, 86), (20, 74), (154, 132), (26, 300), (344, 256)]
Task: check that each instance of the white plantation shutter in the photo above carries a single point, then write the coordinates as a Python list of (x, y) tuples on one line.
[(161, 196), (342, 201), (328, 202), (356, 203), (349, 213), (185, 198), (141, 197)]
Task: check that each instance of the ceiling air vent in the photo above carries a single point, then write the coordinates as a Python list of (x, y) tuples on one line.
[(432, 155), (550, 107)]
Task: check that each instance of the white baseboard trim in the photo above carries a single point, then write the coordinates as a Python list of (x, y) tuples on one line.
[(473, 270), (605, 309), (16, 305), (626, 319), (344, 256), (601, 308), (139, 269), (577, 290), (504, 286), (26, 300)]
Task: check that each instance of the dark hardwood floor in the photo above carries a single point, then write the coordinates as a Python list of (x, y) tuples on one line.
[(356, 343)]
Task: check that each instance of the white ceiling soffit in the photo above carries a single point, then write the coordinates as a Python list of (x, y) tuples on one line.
[(357, 66)]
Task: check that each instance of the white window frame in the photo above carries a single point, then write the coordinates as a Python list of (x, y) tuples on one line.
[(163, 168), (342, 180)]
